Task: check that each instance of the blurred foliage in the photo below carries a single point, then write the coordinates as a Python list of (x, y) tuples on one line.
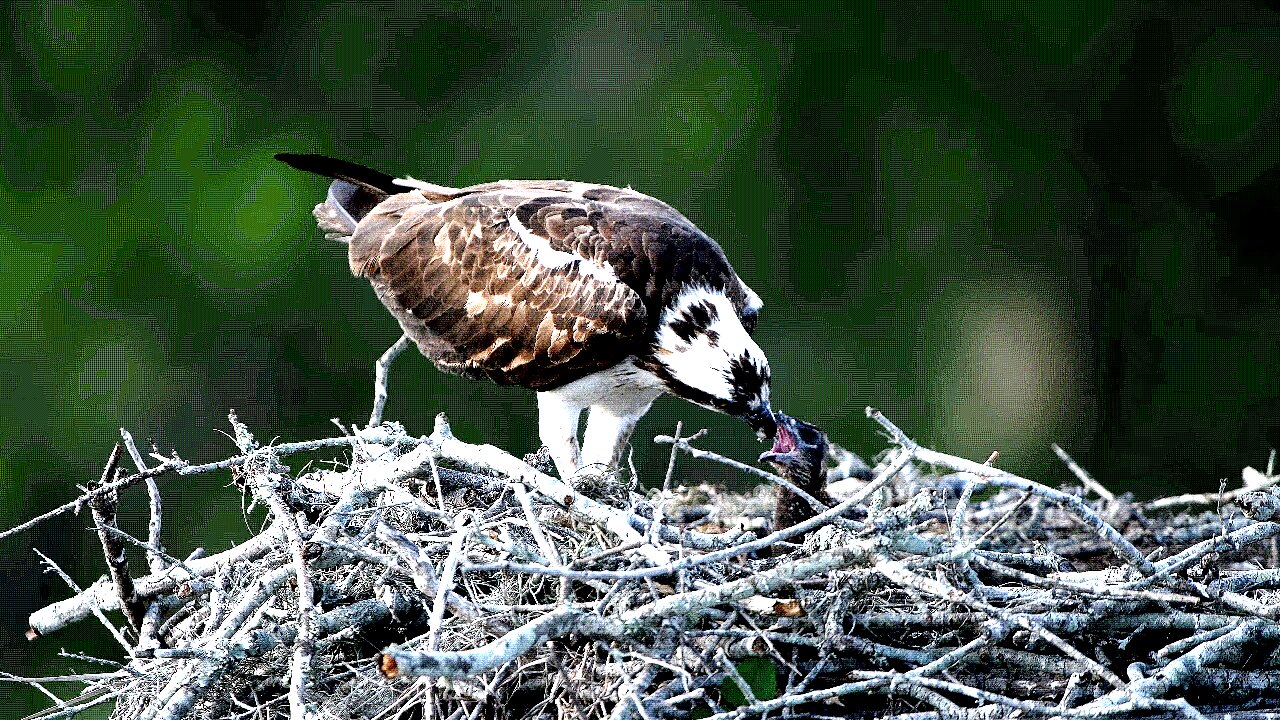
[(1004, 224), (760, 674)]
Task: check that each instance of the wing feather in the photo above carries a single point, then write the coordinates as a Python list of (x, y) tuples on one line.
[(481, 300)]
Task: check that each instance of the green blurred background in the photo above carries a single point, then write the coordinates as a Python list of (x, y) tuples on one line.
[(1036, 222)]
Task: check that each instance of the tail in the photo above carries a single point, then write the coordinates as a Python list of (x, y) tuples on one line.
[(355, 191)]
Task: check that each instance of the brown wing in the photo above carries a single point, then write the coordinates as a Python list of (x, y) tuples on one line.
[(649, 245), (484, 296)]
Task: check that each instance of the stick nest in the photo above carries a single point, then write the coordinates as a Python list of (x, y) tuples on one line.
[(433, 578)]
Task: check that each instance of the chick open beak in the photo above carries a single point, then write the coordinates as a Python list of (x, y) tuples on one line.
[(784, 442)]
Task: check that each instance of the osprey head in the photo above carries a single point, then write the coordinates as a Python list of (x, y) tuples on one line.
[(703, 353)]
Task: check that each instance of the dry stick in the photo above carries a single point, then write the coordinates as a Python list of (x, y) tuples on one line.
[(126, 537), (103, 508), (1178, 672), (33, 634), (268, 488), (435, 477), (712, 557), (953, 657), (183, 468), (148, 634), (186, 687), (75, 505), (544, 545), (960, 531), (175, 702), (37, 684), (700, 454), (1120, 545), (813, 696), (1083, 475), (461, 530), (414, 562), (1247, 580), (380, 371), (772, 649), (1222, 498), (155, 557), (629, 701), (728, 667), (397, 662), (1041, 709), (900, 574), (1099, 589), (95, 692), (78, 705), (761, 583), (101, 596), (659, 507), (1231, 541), (497, 459), (990, 476), (1180, 647), (606, 553)]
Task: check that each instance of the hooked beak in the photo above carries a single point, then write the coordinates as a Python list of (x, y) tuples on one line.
[(784, 441), (761, 420)]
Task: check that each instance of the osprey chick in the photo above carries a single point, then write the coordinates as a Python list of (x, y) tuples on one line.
[(594, 296), (799, 454)]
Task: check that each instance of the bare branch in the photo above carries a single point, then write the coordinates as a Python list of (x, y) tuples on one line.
[(381, 369), (962, 589)]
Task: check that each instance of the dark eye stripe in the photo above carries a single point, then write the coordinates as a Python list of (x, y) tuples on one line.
[(694, 320), (747, 378)]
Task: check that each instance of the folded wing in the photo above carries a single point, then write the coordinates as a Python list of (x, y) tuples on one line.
[(483, 295)]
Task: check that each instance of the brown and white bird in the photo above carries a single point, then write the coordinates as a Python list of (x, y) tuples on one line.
[(594, 296), (799, 454)]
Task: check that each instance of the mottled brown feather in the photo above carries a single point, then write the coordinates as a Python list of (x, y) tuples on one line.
[(467, 288), (426, 259)]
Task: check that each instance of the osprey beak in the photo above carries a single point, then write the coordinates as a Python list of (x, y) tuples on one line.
[(784, 441), (761, 420)]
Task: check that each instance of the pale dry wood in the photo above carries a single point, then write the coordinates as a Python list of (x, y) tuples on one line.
[(506, 591)]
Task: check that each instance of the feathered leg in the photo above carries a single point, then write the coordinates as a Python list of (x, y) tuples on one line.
[(558, 430), (610, 425)]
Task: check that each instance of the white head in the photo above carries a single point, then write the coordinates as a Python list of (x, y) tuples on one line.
[(703, 354)]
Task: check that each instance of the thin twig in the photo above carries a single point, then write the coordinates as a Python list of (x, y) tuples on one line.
[(381, 369), (1083, 475)]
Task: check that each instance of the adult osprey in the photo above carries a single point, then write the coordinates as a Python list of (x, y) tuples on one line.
[(594, 296)]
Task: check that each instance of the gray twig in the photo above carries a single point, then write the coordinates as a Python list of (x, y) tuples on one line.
[(381, 369)]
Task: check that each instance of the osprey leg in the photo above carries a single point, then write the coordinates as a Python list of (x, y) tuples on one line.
[(558, 430), (609, 427)]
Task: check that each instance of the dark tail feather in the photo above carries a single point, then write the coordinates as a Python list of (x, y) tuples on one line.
[(355, 191), (367, 178)]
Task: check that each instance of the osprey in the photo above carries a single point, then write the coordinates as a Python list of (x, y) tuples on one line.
[(594, 296)]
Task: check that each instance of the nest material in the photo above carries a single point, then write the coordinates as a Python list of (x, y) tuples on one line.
[(433, 578)]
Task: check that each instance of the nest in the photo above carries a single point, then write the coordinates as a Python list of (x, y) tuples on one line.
[(433, 578)]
